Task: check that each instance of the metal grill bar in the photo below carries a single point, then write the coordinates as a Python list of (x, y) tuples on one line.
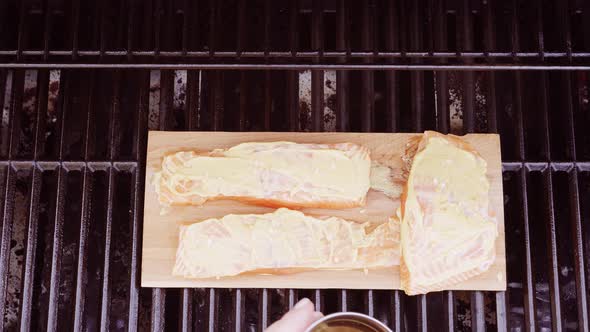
[(81, 277), (21, 33), (397, 322), (317, 76), (212, 27), (422, 313), (56, 253), (47, 29), (450, 318), (239, 309), (459, 56), (187, 310), (564, 17), (241, 27), (477, 308), (440, 43), (579, 253), (157, 28), (554, 275), (80, 164), (267, 13), (130, 27), (264, 319), (105, 303), (319, 304), (342, 87), (468, 77), (368, 77), (101, 8), (501, 320), (515, 33), (42, 105), (540, 32), (529, 304), (292, 297), (416, 77), (15, 108), (292, 79), (544, 117), (138, 175), (29, 278), (213, 312), (370, 303), (327, 66), (7, 224), (52, 319), (489, 42), (571, 135), (391, 78), (158, 305)]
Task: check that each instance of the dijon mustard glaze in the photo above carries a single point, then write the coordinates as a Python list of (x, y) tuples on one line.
[(290, 174), (284, 239), (447, 231)]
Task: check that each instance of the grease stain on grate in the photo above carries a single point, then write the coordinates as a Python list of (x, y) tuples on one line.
[(457, 100), (28, 115), (154, 100), (179, 100), (180, 78), (455, 103), (52, 97), (481, 110), (305, 93), (52, 100), (4, 130), (17, 251)]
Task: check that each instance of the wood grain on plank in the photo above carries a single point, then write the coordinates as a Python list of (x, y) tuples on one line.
[(160, 232)]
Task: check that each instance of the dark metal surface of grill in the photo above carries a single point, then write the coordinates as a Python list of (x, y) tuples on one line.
[(72, 142)]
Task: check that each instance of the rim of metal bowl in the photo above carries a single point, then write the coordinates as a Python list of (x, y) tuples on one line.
[(352, 315)]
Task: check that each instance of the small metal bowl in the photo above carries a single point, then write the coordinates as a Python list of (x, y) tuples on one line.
[(348, 322)]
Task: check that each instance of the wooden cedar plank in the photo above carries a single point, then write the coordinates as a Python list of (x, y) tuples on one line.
[(160, 232)]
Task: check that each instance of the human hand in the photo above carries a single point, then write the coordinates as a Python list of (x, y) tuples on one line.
[(297, 319)]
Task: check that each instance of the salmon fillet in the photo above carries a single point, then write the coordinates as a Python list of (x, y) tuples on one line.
[(279, 174), (447, 230), (280, 242)]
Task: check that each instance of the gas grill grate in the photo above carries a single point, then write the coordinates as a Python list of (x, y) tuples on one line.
[(262, 34), (81, 82)]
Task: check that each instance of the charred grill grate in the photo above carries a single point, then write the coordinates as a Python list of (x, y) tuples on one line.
[(81, 82)]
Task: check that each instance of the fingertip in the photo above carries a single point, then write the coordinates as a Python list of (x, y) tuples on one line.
[(304, 302)]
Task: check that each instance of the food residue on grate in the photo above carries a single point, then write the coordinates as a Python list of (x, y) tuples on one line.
[(305, 96), (17, 252), (154, 100)]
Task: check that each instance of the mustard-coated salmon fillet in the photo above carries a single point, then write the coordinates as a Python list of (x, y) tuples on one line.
[(280, 174), (281, 242), (447, 229)]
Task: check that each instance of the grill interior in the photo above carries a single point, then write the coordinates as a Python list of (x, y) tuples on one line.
[(81, 82)]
